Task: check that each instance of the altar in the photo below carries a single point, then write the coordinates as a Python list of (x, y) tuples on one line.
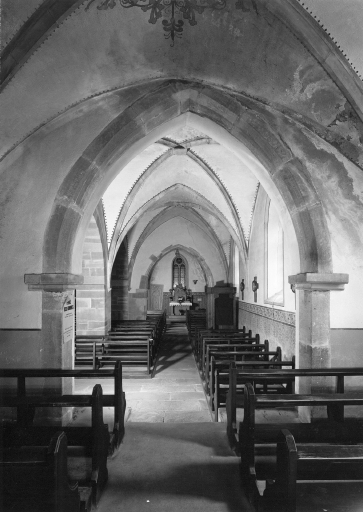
[(178, 307)]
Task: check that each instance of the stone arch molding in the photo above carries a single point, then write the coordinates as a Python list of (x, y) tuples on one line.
[(208, 276), (246, 126)]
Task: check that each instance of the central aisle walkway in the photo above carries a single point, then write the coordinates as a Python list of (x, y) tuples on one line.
[(166, 467), (175, 393), (173, 457)]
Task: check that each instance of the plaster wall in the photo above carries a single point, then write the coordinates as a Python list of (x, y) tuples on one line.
[(30, 177), (347, 351), (20, 349), (162, 273), (339, 184), (272, 322)]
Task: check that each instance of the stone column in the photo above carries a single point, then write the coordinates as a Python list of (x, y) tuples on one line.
[(57, 337), (313, 328)]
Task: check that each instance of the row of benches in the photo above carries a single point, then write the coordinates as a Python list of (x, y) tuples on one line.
[(214, 350), (57, 468), (245, 376), (134, 343), (282, 453)]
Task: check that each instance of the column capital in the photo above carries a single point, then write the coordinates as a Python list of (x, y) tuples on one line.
[(56, 282), (319, 282)]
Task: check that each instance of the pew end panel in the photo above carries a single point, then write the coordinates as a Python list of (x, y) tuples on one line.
[(316, 461), (36, 478), (87, 448)]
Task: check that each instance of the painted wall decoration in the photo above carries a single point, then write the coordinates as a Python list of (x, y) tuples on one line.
[(275, 325), (173, 11)]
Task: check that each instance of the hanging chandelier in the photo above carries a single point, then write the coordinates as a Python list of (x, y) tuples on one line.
[(174, 12)]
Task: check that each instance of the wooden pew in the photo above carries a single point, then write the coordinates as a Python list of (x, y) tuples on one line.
[(156, 324), (223, 349), (198, 349), (195, 320), (275, 377), (87, 350), (221, 372), (36, 478), (87, 446), (132, 349), (225, 340), (213, 333), (116, 400), (258, 441), (135, 343), (311, 461), (220, 361)]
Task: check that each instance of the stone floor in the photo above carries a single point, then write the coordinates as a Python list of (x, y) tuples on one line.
[(174, 394), (158, 465)]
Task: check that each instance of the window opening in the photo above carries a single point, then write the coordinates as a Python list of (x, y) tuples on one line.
[(275, 258)]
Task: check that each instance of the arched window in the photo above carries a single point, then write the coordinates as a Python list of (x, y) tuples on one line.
[(178, 271), (274, 257)]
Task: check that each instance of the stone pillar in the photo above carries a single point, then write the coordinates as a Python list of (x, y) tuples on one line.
[(57, 338), (313, 328)]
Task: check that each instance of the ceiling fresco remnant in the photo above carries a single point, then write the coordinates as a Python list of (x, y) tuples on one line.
[(173, 11)]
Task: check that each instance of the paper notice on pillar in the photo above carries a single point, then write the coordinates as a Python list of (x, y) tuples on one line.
[(68, 318)]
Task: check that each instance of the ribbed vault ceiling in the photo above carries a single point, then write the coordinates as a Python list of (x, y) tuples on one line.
[(185, 174)]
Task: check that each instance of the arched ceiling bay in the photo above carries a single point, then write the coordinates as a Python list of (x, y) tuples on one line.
[(97, 51), (195, 222), (148, 223), (177, 231), (185, 174), (182, 170)]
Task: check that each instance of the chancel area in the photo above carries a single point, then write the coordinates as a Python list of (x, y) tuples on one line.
[(181, 247)]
